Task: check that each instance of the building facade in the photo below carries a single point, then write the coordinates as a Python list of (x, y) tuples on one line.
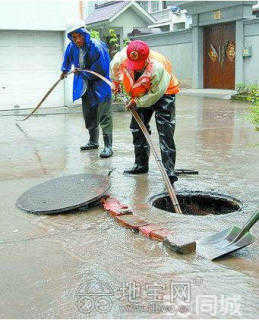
[(121, 16), (144, 16), (220, 50), (168, 16), (32, 43)]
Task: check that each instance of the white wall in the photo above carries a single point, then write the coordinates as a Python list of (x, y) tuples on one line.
[(49, 15), (251, 65), (89, 7), (177, 46), (41, 15)]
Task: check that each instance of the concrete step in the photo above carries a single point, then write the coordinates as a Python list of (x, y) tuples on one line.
[(208, 93)]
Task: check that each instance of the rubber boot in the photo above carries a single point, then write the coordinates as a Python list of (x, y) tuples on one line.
[(173, 178), (137, 169), (165, 121), (107, 151), (141, 161), (93, 140)]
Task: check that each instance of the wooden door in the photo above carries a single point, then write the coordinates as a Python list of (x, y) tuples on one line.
[(219, 56)]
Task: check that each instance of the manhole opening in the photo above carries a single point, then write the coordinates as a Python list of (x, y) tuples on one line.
[(194, 203)]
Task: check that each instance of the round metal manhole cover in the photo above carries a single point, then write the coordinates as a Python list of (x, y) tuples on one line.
[(64, 193), (198, 203)]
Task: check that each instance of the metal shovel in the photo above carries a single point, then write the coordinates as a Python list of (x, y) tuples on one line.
[(227, 241)]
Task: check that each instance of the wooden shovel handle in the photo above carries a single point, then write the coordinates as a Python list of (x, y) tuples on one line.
[(57, 82), (247, 226), (169, 187), (42, 100)]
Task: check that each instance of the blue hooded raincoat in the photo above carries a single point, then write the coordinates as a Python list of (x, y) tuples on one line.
[(96, 59)]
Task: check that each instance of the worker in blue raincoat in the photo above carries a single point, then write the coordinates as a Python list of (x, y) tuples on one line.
[(86, 53)]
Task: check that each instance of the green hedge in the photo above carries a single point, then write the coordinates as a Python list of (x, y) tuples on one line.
[(249, 93)]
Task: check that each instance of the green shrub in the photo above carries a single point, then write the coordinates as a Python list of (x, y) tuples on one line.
[(251, 94), (113, 43), (253, 116), (95, 34)]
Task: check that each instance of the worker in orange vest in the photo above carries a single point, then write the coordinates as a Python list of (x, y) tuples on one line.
[(147, 79)]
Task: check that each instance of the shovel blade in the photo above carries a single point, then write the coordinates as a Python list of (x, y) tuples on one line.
[(225, 235), (220, 244)]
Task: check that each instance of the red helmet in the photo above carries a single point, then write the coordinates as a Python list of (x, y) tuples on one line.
[(137, 52)]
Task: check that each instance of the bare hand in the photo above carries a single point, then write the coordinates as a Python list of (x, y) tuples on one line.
[(131, 105)]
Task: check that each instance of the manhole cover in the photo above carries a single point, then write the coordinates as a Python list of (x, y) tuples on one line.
[(64, 193), (198, 203)]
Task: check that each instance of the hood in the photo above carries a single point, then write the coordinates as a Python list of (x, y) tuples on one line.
[(79, 29)]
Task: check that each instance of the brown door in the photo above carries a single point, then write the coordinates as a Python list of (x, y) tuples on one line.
[(219, 56)]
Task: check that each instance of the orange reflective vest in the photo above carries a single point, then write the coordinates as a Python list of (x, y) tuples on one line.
[(141, 86)]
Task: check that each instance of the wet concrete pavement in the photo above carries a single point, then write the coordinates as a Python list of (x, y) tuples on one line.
[(82, 264)]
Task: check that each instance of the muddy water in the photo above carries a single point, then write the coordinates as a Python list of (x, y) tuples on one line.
[(82, 264)]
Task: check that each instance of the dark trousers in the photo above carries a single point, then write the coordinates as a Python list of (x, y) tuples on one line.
[(94, 116), (164, 110)]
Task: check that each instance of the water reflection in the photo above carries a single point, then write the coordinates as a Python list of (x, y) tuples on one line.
[(216, 130)]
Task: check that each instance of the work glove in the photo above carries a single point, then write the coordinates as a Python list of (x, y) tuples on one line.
[(76, 70), (63, 75), (116, 87), (131, 105)]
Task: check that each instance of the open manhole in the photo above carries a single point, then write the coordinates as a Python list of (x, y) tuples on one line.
[(198, 203)]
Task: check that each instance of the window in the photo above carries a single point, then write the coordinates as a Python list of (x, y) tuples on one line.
[(100, 2), (179, 26), (154, 6), (164, 4)]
